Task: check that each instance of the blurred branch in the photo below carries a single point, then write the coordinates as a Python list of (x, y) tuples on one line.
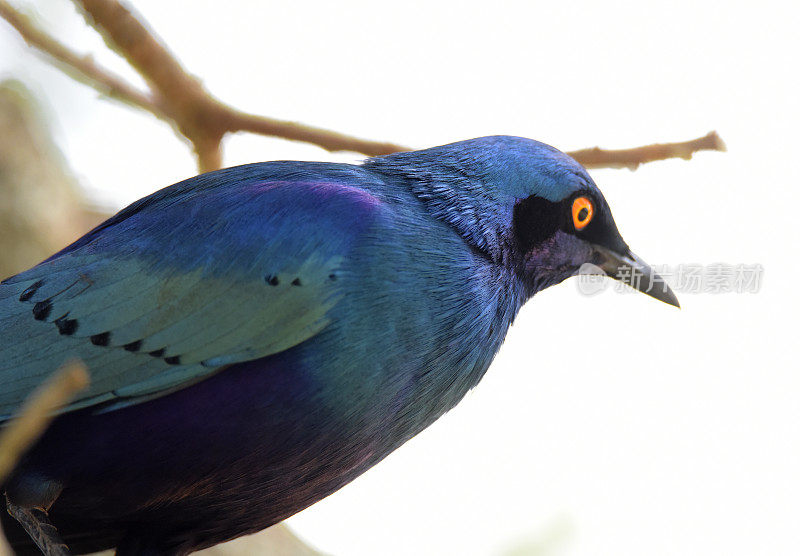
[(197, 115), (177, 97), (632, 158), (42, 207), (34, 417), (38, 411), (180, 99), (81, 68)]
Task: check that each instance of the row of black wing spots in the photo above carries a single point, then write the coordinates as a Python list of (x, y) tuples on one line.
[(41, 309), (67, 326), (136, 346), (273, 280), (159, 353)]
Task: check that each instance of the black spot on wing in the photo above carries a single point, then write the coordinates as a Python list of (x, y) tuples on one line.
[(296, 282), (102, 339), (31, 290), (157, 352), (42, 309), (133, 346), (174, 360), (66, 326)]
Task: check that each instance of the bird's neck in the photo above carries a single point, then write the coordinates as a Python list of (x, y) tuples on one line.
[(471, 339), (453, 194)]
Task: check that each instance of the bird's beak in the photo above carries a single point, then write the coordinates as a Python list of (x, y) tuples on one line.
[(633, 271)]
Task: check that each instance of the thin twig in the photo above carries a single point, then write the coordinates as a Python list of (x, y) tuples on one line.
[(37, 412), (330, 140), (632, 158)]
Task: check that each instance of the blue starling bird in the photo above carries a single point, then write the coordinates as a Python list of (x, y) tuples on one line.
[(261, 335)]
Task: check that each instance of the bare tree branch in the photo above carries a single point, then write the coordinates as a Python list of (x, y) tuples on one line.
[(177, 97), (196, 114), (330, 140), (199, 116), (180, 98), (632, 158)]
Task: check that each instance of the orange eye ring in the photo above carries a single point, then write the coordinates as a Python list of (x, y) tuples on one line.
[(582, 212)]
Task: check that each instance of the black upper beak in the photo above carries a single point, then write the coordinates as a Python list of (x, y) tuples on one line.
[(633, 271)]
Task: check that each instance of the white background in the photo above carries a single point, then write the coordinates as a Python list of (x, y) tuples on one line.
[(607, 425)]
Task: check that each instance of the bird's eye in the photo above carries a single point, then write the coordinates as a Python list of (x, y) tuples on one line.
[(582, 212)]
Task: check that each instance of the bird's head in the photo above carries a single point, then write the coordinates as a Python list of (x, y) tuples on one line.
[(525, 205)]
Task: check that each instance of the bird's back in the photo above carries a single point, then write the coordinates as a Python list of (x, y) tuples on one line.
[(184, 282)]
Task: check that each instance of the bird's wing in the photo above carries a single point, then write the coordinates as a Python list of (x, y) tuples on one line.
[(180, 285)]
